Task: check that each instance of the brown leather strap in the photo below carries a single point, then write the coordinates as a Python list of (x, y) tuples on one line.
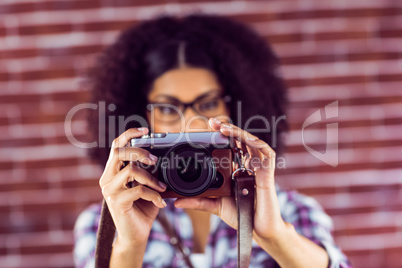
[(106, 234), (244, 196)]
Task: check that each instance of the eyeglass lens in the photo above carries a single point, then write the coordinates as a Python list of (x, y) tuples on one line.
[(208, 107)]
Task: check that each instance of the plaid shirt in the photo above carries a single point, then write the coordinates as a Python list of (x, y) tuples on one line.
[(303, 212)]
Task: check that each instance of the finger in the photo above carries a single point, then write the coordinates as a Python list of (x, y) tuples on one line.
[(252, 160), (138, 174), (124, 200), (112, 165), (247, 138), (134, 154), (223, 207), (240, 145), (118, 155), (252, 155), (211, 205), (214, 123), (255, 156), (258, 160), (246, 153), (129, 134)]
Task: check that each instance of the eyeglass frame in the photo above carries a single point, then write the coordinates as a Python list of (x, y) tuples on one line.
[(226, 99)]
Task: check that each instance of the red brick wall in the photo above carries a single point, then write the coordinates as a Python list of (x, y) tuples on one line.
[(345, 51)]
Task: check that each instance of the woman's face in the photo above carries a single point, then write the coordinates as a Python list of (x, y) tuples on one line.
[(184, 86)]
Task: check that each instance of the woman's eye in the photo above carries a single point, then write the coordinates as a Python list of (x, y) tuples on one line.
[(209, 105), (167, 110)]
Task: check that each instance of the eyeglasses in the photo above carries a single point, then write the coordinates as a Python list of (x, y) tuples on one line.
[(208, 106)]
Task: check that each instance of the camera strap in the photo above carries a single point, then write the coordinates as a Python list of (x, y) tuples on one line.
[(244, 196), (106, 234), (244, 192)]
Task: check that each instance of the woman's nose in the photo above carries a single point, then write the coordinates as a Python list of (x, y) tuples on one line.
[(195, 122)]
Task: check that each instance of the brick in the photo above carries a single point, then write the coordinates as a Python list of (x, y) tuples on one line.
[(358, 134), (38, 260), (369, 242), (347, 51), (75, 96), (375, 220), (83, 170), (346, 112)]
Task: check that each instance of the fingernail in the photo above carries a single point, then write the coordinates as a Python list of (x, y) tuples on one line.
[(161, 184), (153, 157), (251, 138), (226, 126), (163, 203), (141, 129), (216, 121)]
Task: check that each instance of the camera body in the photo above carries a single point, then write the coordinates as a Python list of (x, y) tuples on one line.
[(191, 164)]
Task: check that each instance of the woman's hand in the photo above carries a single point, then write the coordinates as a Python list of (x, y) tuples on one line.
[(268, 223), (133, 209), (275, 236)]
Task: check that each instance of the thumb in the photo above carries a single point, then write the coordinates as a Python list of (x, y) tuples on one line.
[(211, 205)]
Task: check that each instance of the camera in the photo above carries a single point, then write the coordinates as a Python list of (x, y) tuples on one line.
[(191, 164)]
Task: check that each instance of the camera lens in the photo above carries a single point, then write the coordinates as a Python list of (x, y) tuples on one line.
[(218, 182), (188, 171)]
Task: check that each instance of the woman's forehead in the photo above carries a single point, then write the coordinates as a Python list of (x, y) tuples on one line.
[(184, 84)]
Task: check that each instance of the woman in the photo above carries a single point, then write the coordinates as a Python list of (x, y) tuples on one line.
[(197, 73)]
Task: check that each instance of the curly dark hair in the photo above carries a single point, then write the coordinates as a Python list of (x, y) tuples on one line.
[(243, 62)]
